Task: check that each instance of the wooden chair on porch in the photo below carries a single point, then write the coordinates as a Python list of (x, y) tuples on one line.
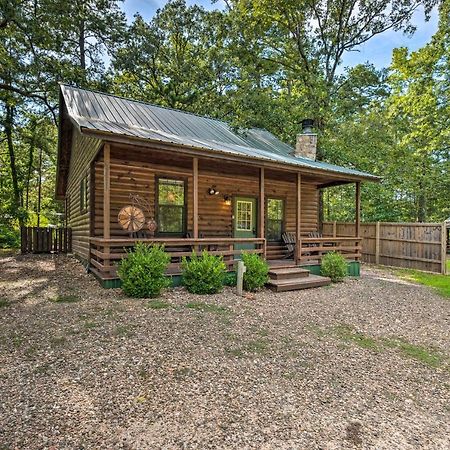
[(290, 240)]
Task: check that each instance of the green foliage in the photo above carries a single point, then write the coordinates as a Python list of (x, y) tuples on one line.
[(9, 236), (208, 307), (203, 274), (439, 282), (256, 274), (142, 271), (68, 298), (334, 266), (230, 279), (256, 63)]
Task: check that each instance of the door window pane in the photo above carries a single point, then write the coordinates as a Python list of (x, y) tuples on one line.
[(275, 219), (244, 210)]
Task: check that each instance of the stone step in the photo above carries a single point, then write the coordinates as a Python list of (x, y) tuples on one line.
[(287, 273), (298, 283)]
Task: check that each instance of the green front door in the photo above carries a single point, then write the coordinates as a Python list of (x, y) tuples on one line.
[(244, 220)]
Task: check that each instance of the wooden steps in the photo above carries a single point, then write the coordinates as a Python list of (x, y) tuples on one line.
[(293, 278), (283, 273)]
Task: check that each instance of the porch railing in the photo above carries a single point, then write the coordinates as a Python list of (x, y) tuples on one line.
[(105, 253), (313, 249)]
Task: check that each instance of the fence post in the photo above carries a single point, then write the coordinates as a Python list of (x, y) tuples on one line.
[(240, 277), (23, 239), (334, 229), (377, 243), (443, 248)]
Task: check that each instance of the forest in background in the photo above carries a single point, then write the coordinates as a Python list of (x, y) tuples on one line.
[(257, 63)]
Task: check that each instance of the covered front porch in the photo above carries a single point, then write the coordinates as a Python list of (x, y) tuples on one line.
[(223, 206)]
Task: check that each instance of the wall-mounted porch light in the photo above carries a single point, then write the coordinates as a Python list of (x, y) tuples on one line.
[(227, 199), (213, 191)]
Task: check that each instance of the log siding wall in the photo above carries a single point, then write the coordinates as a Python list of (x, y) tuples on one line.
[(215, 217), (84, 150)]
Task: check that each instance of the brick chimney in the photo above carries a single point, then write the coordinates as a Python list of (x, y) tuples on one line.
[(306, 145)]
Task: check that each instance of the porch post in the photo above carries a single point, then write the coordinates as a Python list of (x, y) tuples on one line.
[(358, 209), (262, 204), (195, 199), (106, 191), (106, 206), (298, 226)]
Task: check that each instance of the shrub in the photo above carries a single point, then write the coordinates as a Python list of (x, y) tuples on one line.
[(142, 271), (9, 236), (203, 274), (230, 279), (255, 276), (334, 266)]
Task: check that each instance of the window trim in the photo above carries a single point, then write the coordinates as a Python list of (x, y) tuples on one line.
[(283, 220), (184, 206)]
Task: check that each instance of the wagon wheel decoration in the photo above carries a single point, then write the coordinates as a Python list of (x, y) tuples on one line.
[(131, 218)]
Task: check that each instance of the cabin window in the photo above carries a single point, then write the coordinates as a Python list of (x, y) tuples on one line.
[(171, 206), (275, 219), (84, 194)]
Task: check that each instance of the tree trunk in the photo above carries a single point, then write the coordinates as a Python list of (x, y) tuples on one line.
[(39, 189), (30, 166), (422, 206), (82, 45), (9, 121)]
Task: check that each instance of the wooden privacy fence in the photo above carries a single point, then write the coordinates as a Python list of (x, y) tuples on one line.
[(45, 240), (412, 245)]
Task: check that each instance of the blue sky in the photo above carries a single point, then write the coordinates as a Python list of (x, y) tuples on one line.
[(377, 51)]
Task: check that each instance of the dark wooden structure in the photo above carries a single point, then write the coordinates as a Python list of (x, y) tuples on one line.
[(45, 240), (224, 201)]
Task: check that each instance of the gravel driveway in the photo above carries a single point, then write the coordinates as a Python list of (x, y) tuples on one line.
[(362, 364)]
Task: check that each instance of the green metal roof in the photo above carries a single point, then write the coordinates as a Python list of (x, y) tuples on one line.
[(97, 111)]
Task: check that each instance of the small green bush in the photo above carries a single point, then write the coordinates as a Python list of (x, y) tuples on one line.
[(230, 279), (9, 236), (334, 266), (203, 274), (255, 276), (142, 271)]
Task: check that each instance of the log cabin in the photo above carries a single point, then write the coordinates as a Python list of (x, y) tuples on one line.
[(131, 171)]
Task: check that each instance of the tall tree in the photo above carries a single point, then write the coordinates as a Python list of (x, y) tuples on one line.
[(420, 103), (175, 59)]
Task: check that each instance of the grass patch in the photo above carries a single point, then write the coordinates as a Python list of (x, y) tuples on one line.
[(58, 340), (89, 325), (123, 331), (208, 307), (158, 304), (441, 283), (3, 302), (65, 299), (346, 333), (258, 346), (427, 356), (237, 352)]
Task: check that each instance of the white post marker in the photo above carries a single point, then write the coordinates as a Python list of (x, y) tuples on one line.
[(241, 269)]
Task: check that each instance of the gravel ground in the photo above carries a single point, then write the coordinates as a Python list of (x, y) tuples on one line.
[(361, 364)]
